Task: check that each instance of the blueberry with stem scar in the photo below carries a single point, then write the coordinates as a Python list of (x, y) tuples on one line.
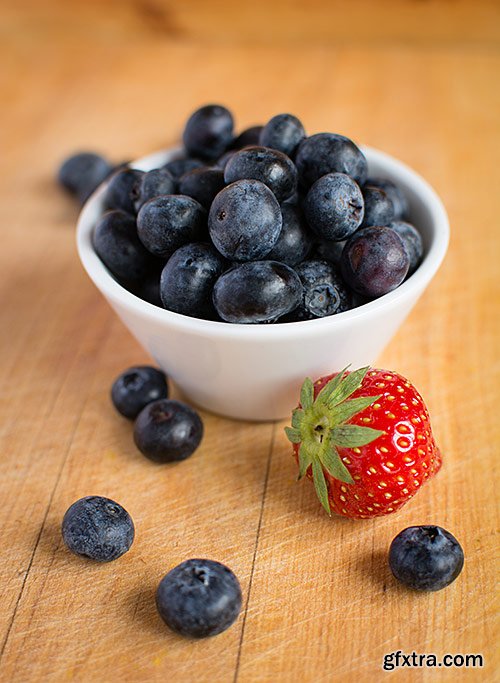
[(98, 528)]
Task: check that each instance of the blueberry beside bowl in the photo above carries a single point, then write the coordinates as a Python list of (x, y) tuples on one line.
[(252, 371)]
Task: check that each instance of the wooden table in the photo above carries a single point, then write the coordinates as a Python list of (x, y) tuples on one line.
[(419, 80)]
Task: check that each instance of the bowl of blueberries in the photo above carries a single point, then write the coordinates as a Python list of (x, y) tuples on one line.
[(243, 263)]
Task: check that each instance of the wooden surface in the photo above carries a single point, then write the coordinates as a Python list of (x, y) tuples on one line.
[(417, 79)]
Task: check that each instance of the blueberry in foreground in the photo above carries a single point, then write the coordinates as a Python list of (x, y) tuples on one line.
[(374, 261), (334, 207), (295, 239), (136, 387), (81, 173), (167, 222), (283, 132), (257, 292), (208, 132), (168, 431), (325, 153), (412, 241), (245, 220), (271, 167), (188, 279), (98, 528), (152, 184), (199, 598), (426, 558), (119, 248), (120, 192)]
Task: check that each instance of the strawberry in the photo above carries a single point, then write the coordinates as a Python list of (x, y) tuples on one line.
[(365, 439)]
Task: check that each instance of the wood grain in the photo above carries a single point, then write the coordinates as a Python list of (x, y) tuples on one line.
[(415, 79)]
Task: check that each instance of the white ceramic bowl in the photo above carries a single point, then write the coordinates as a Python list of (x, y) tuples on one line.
[(254, 372)]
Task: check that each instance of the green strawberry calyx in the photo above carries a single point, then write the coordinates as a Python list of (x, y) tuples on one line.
[(320, 424)]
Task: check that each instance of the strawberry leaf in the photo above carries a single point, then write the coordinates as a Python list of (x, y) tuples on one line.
[(305, 459), (330, 387), (352, 436), (348, 386), (307, 393), (350, 407), (320, 484), (297, 417), (293, 434), (334, 465)]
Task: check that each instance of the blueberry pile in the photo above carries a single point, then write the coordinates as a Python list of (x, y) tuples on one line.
[(164, 430), (268, 226), (199, 597)]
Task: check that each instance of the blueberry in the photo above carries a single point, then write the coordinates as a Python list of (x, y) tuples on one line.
[(245, 220), (152, 184), (334, 207), (395, 194), (136, 387), (412, 242), (324, 291), (82, 173), (328, 251), (178, 167), (257, 292), (222, 161), (250, 136), (283, 132), (296, 199), (166, 223), (148, 288), (120, 192), (188, 279), (379, 209), (271, 167), (119, 248), (199, 598), (426, 558), (294, 242), (97, 528), (202, 184), (208, 132), (329, 153), (374, 261), (167, 431)]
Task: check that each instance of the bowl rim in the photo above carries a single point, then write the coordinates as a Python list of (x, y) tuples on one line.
[(113, 291)]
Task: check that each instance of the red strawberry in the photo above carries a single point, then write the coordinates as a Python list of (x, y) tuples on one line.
[(365, 439)]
